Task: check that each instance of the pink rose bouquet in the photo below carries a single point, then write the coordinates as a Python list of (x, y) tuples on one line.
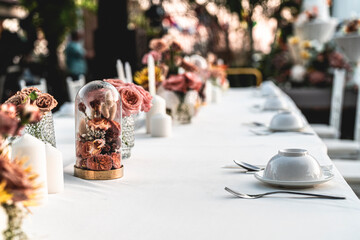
[(134, 98)]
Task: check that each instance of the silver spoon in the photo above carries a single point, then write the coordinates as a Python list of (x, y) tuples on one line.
[(254, 168), (255, 196), (248, 166)]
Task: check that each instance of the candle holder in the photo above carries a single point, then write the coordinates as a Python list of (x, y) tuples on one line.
[(43, 130), (98, 132), (128, 136)]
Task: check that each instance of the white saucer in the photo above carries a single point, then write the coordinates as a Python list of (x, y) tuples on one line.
[(327, 175)]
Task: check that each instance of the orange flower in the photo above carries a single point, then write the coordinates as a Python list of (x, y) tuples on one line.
[(19, 182)]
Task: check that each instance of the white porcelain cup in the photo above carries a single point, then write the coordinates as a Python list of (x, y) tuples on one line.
[(293, 165), (286, 121), (275, 103)]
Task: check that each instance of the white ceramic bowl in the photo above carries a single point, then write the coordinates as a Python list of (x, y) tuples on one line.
[(268, 88), (286, 121), (275, 103), (293, 165)]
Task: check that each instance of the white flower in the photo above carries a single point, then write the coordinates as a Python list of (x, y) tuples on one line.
[(297, 73)]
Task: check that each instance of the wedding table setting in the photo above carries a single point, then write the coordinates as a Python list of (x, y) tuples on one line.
[(173, 187)]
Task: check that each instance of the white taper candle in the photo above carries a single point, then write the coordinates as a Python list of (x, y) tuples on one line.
[(151, 75), (120, 70), (128, 72)]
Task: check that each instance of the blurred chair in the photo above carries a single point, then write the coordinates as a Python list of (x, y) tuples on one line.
[(346, 149), (333, 129), (246, 71), (42, 86), (74, 86)]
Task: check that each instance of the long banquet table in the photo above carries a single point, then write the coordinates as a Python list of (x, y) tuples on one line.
[(173, 188)]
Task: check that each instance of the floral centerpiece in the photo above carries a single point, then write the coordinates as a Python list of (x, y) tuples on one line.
[(134, 99), (179, 81), (44, 129), (305, 64), (17, 185)]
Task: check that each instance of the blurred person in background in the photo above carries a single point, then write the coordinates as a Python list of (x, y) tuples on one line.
[(75, 56)]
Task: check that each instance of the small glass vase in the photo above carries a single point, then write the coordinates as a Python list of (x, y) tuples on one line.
[(183, 114), (43, 130), (128, 136), (15, 216)]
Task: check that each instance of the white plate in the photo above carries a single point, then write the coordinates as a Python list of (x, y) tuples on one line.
[(287, 129), (327, 175)]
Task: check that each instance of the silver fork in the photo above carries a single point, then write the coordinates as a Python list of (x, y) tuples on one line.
[(255, 196)]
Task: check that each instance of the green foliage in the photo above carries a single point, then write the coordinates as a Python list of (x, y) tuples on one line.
[(90, 5), (55, 18), (33, 96)]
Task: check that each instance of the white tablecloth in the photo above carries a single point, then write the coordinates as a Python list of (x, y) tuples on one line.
[(173, 188)]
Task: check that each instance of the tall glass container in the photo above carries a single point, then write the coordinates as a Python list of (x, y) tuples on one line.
[(98, 132)]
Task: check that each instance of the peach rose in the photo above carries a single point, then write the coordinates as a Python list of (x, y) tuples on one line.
[(45, 102), (99, 162), (131, 100), (115, 82), (18, 99), (146, 98), (99, 124), (29, 90), (158, 45)]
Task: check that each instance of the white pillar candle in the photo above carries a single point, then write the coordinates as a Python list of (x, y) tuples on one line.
[(216, 94), (55, 173), (208, 91), (151, 75), (128, 72), (120, 69), (33, 150), (158, 106), (161, 125)]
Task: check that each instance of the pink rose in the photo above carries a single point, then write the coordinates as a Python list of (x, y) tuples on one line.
[(146, 97), (176, 83), (156, 55), (131, 100), (134, 98), (8, 125), (194, 82), (115, 82)]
